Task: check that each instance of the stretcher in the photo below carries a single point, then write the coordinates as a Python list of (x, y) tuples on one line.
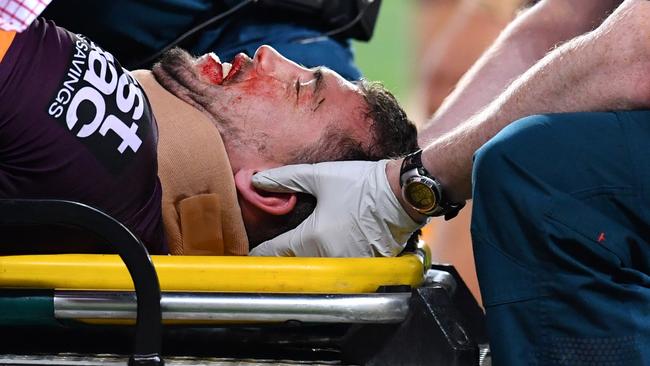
[(136, 309)]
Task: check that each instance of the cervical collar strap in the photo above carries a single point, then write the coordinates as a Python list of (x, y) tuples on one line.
[(199, 201)]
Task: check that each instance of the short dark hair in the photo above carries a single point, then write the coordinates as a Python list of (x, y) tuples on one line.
[(394, 136)]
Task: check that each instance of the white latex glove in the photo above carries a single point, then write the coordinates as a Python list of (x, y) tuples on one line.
[(357, 214)]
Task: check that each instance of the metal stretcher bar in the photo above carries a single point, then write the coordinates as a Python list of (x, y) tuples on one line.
[(204, 307), (214, 274)]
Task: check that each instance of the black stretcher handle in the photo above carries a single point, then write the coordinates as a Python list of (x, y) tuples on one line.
[(148, 335)]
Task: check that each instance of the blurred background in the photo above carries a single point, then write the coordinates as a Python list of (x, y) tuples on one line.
[(419, 51)]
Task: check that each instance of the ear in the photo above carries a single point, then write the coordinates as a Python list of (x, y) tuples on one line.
[(276, 204)]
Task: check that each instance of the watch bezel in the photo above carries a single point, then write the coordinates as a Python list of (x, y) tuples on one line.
[(411, 168), (415, 178)]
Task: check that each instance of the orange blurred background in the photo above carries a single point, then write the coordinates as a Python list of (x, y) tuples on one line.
[(452, 35)]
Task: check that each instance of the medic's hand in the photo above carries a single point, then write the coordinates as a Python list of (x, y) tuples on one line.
[(357, 214)]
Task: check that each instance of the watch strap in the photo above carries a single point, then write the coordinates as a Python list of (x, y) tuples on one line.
[(413, 161)]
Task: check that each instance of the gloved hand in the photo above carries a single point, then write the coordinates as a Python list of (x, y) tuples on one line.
[(357, 214)]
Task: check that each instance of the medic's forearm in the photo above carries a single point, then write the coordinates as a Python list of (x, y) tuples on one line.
[(520, 45), (539, 90), (601, 70)]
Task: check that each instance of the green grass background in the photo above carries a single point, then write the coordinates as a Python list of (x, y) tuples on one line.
[(389, 56)]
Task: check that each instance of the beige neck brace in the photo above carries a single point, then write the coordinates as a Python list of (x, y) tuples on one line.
[(200, 210)]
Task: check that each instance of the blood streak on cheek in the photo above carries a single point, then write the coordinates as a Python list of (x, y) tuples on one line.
[(260, 87), (212, 70)]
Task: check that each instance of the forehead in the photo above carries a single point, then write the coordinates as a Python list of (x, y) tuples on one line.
[(350, 119), (344, 104)]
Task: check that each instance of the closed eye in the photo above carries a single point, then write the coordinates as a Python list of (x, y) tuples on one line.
[(317, 82)]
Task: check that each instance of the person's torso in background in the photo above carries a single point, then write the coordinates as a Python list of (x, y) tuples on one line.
[(134, 30)]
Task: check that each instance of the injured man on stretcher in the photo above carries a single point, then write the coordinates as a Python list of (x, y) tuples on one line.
[(170, 152)]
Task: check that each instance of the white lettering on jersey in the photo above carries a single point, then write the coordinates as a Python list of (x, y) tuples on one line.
[(104, 86), (90, 95)]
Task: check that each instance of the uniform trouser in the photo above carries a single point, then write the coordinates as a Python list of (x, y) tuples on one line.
[(561, 233)]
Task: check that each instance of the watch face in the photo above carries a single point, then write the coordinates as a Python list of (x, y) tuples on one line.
[(420, 195)]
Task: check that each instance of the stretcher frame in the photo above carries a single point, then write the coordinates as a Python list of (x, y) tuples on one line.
[(394, 295)]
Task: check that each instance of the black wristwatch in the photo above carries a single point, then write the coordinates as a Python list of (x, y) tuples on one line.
[(422, 191)]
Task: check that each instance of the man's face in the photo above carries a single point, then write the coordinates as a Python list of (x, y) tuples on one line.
[(268, 108), (270, 112)]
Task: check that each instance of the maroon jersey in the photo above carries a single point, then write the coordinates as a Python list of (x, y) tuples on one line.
[(75, 125)]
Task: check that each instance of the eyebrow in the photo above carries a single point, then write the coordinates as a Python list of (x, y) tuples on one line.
[(318, 76), (319, 85)]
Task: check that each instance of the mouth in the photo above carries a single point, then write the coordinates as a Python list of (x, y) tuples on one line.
[(221, 73)]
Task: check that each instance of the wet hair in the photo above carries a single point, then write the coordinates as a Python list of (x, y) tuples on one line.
[(393, 136)]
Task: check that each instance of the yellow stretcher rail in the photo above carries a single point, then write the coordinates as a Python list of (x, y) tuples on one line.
[(214, 274)]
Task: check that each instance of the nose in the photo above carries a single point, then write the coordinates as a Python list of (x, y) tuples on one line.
[(270, 62)]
